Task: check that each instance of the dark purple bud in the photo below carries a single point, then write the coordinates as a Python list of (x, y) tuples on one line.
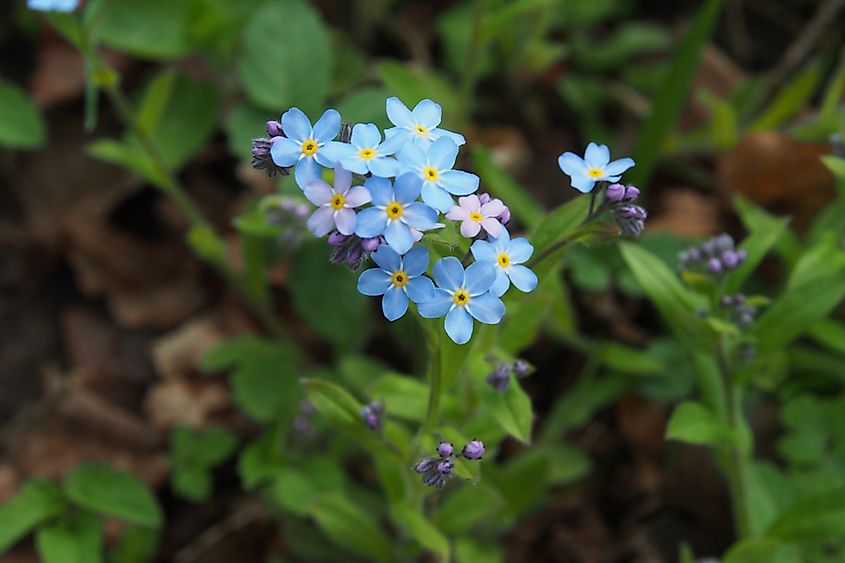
[(473, 450), (371, 244), (500, 378), (353, 257), (274, 129), (263, 160), (372, 415), (445, 467), (484, 198), (336, 239), (724, 242), (345, 132), (521, 368), (730, 259), (505, 216), (632, 193), (425, 464), (714, 266), (727, 301), (615, 192), (741, 256), (445, 449)]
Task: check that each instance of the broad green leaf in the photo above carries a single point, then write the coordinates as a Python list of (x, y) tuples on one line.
[(75, 538), (366, 105), (511, 408), (138, 544), (626, 359), (296, 488), (559, 224), (566, 464), (422, 530), (193, 454), (339, 407), (403, 396), (412, 84), (692, 423), (765, 231), (823, 259), (757, 550), (496, 180), (769, 492), (817, 517), (324, 292), (244, 123), (113, 492), (472, 550), (674, 90), (286, 58), (350, 527), (21, 123), (191, 482), (830, 333), (790, 100), (524, 481), (579, 403), (38, 500), (263, 374), (151, 29), (467, 507), (260, 460), (128, 156)]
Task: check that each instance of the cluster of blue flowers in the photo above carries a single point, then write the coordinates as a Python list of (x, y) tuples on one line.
[(408, 179)]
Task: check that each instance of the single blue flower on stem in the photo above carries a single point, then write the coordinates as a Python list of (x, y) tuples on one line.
[(594, 167), (395, 210), (507, 256), (367, 153), (434, 167), (307, 147), (399, 279), (420, 125), (52, 5), (463, 295)]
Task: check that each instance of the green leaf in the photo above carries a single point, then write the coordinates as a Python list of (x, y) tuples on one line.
[(627, 42), (412, 84), (723, 119), (626, 359), (833, 93), (366, 105), (790, 100), (152, 29), (765, 231), (350, 527), (818, 517), (691, 422), (467, 507), (75, 538), (756, 550), (193, 483), (522, 204), (323, 293), (337, 405), (264, 374), (830, 333), (403, 396), (674, 89), (823, 259), (21, 123), (835, 164), (193, 454), (286, 58), (138, 544), (559, 223), (38, 500), (260, 461), (511, 408), (422, 530), (295, 489), (471, 550), (245, 123), (567, 464), (113, 492)]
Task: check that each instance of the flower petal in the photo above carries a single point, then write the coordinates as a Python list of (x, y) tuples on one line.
[(458, 182), (596, 156), (285, 152), (492, 226), (478, 277), (342, 179), (523, 278), (448, 273), (412, 157), (345, 221), (493, 208), (380, 190), (415, 263), (391, 144), (618, 167), (420, 289), (437, 197), (487, 308), (419, 216), (365, 135), (357, 196), (471, 203), (318, 192), (387, 259), (296, 125), (438, 306), (374, 282), (459, 325), (321, 221), (398, 113), (483, 251), (501, 284), (502, 241), (583, 184), (370, 223), (327, 127), (571, 164), (457, 138), (354, 163), (407, 187), (307, 170), (394, 304), (457, 213), (442, 154), (520, 250), (333, 151), (384, 167), (428, 113), (470, 229), (398, 236)]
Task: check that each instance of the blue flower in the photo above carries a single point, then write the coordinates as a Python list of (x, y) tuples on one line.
[(463, 295), (366, 153), (419, 126), (395, 210), (398, 279), (506, 256), (434, 167), (594, 167), (307, 147), (52, 5)]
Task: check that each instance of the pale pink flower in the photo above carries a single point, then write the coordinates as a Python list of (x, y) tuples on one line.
[(473, 216)]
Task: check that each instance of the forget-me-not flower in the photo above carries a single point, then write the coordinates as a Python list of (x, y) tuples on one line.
[(307, 147), (474, 215), (420, 125), (52, 5), (507, 256), (434, 167), (463, 295), (398, 278), (394, 211), (335, 204), (367, 153), (594, 167)]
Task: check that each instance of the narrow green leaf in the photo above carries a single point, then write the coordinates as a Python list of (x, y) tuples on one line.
[(522, 204), (791, 99), (818, 517), (21, 123), (75, 538), (559, 223), (38, 500), (350, 527), (757, 550), (155, 100), (472, 550), (511, 408), (765, 231), (113, 492), (691, 422), (422, 530), (468, 507)]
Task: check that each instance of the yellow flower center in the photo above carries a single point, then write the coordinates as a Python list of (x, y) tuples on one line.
[(367, 154), (461, 297), (431, 174), (394, 210), (309, 147), (338, 201), (421, 130), (477, 217), (399, 279), (595, 172), (503, 260)]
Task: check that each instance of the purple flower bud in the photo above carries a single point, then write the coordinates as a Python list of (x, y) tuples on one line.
[(723, 242), (262, 160), (445, 449), (730, 259), (632, 193), (484, 198), (302, 211), (306, 408), (741, 256), (274, 129), (372, 415), (505, 216), (615, 192), (425, 464), (500, 378), (371, 244), (521, 368), (345, 132), (336, 239), (302, 426), (445, 467), (473, 450), (727, 301), (714, 266)]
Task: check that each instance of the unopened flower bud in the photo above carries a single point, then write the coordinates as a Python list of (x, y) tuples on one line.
[(473, 450), (274, 129), (425, 464), (484, 198), (445, 449), (336, 239), (371, 244), (615, 192), (521, 368), (500, 378), (632, 193), (505, 216), (714, 266), (445, 467), (730, 259)]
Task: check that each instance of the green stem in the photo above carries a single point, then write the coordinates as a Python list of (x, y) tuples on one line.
[(470, 75), (435, 384)]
